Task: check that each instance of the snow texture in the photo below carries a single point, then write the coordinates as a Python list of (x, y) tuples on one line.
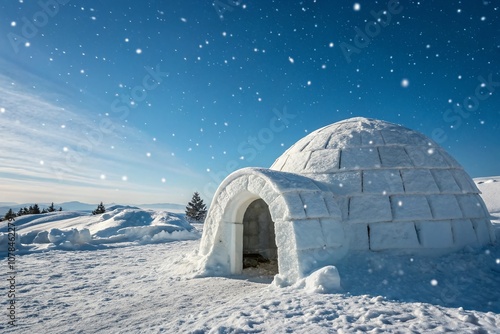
[(152, 288), (359, 184), (77, 230)]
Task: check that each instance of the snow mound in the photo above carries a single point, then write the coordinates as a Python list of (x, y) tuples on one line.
[(490, 189), (324, 280), (79, 230), (69, 239)]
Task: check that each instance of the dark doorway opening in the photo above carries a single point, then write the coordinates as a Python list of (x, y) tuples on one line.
[(259, 240)]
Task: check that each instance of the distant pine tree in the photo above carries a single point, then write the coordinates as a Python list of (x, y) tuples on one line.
[(10, 215), (100, 209), (196, 210), (51, 208), (20, 212), (60, 209), (36, 209)]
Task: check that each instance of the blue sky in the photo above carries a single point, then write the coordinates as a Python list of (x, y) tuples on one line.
[(143, 102)]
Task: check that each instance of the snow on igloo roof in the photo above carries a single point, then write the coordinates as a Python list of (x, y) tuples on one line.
[(362, 143)]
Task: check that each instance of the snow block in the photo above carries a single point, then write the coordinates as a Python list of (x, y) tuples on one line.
[(286, 207), (268, 193), (223, 198), (428, 156), (255, 184), (435, 234), (332, 205), (236, 186), (410, 207), (395, 136), (343, 183), (394, 157), (216, 213), (343, 139), (357, 236), (419, 181), (444, 207), (482, 228), (471, 206), (463, 232), (382, 182), (371, 138), (323, 161), (416, 139), (393, 235), (318, 142), (287, 182), (464, 181), (369, 208), (359, 158), (333, 232), (445, 181), (314, 205), (296, 161), (343, 203), (287, 250), (308, 234)]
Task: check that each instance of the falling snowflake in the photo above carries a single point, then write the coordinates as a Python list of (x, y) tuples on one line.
[(356, 6), (405, 83), (434, 282), (138, 51)]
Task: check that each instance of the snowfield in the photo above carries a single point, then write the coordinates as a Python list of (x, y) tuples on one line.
[(131, 271)]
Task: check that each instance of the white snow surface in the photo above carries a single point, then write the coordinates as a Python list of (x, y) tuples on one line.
[(490, 189), (132, 287), (120, 225)]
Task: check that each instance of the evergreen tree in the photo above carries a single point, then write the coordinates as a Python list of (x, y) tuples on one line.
[(10, 215), (60, 209), (196, 210), (51, 208), (20, 212), (30, 210), (26, 211), (100, 209), (36, 209), (44, 211)]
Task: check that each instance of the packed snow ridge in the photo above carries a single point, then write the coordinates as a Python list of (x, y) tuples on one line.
[(120, 225)]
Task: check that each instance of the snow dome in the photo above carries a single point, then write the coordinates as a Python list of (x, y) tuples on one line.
[(356, 185)]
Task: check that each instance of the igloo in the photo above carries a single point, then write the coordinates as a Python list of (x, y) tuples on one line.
[(359, 185)]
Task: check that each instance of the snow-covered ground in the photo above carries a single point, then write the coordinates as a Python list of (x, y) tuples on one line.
[(126, 280)]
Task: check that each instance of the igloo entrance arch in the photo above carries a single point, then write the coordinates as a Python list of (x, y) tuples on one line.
[(307, 223)]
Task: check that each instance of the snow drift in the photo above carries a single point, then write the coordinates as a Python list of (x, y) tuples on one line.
[(78, 230)]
